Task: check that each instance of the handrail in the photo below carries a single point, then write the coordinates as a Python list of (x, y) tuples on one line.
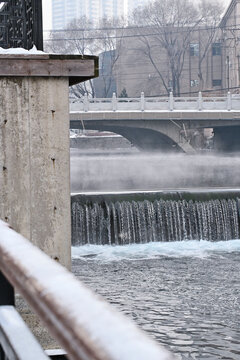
[(16, 339), (171, 103), (85, 325)]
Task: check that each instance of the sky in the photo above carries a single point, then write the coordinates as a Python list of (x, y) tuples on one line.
[(47, 13)]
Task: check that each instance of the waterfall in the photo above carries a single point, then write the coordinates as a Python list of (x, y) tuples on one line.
[(129, 222)]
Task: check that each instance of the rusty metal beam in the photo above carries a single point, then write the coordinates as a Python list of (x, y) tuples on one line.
[(85, 325)]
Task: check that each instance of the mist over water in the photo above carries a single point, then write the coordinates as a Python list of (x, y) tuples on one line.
[(145, 171)]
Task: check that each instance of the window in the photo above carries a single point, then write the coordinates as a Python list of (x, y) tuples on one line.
[(194, 83), (194, 49), (217, 82), (216, 49)]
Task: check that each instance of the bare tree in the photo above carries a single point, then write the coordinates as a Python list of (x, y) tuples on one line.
[(166, 28), (109, 43), (81, 37), (77, 38)]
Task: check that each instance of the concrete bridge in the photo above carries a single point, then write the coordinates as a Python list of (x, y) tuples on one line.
[(163, 123)]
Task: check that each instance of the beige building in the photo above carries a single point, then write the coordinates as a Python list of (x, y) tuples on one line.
[(208, 61), (230, 30)]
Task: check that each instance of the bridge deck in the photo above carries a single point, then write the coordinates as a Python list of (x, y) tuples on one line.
[(204, 118)]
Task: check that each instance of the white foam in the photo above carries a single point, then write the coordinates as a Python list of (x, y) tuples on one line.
[(199, 249)]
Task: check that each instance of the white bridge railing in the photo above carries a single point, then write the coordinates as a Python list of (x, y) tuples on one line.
[(199, 103)]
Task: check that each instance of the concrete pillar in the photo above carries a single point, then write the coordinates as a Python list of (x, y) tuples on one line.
[(34, 161), (34, 147)]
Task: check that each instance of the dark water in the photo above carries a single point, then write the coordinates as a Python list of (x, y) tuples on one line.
[(189, 304)]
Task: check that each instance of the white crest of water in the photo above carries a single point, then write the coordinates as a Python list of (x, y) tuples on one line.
[(201, 249)]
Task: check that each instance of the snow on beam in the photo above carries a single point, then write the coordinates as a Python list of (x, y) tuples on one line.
[(84, 324)]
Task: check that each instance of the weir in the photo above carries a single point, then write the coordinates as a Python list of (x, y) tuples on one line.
[(120, 219)]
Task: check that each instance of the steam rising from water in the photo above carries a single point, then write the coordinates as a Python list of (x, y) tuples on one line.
[(146, 171)]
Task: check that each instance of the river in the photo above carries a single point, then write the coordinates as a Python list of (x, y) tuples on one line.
[(184, 294)]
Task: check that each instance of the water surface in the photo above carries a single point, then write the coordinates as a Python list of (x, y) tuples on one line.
[(186, 295)]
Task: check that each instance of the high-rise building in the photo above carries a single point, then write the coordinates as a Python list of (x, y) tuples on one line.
[(63, 11), (97, 9)]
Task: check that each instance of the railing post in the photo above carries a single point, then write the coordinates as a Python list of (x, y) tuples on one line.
[(229, 101), (6, 292), (200, 101), (171, 101), (142, 101), (85, 103), (114, 102)]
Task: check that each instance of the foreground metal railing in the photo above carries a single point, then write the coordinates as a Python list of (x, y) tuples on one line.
[(171, 103), (83, 324)]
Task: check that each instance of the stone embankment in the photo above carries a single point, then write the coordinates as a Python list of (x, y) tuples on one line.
[(114, 142)]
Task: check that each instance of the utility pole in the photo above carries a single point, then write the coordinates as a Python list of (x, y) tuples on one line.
[(228, 73)]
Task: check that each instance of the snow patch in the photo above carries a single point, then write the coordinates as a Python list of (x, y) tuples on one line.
[(21, 51)]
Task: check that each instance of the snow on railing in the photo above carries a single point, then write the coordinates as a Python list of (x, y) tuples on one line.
[(85, 325), (143, 103)]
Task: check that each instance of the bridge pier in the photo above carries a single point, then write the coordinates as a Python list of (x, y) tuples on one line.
[(34, 148)]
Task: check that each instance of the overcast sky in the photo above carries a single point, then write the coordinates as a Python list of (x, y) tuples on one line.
[(47, 13)]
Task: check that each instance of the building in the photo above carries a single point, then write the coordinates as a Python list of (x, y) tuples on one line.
[(105, 84), (211, 60), (137, 72), (64, 11), (229, 26)]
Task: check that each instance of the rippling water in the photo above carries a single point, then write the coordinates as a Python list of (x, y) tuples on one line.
[(185, 295)]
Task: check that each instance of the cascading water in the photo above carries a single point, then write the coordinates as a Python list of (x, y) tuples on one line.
[(129, 222)]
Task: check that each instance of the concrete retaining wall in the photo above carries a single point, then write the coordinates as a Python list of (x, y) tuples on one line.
[(195, 195), (100, 143)]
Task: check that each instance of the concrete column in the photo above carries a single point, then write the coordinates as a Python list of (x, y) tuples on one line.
[(34, 146), (34, 161)]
